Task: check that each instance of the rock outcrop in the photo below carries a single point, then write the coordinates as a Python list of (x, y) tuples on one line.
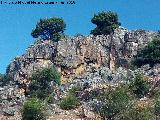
[(76, 55), (93, 59)]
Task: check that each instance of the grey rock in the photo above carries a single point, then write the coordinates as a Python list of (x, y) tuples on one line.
[(97, 60), (90, 53)]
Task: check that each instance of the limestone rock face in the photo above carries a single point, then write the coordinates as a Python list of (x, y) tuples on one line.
[(76, 55), (37, 56), (11, 99), (96, 60)]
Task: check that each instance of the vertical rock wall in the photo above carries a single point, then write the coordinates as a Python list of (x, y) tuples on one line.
[(76, 55)]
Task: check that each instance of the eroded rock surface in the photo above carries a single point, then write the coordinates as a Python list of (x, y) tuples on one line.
[(76, 55), (97, 60)]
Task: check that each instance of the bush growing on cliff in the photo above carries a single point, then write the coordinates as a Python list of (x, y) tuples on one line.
[(112, 102), (106, 23), (157, 107), (139, 86), (50, 98), (74, 90), (138, 114), (33, 109), (41, 80), (50, 29), (150, 54), (157, 103), (69, 102)]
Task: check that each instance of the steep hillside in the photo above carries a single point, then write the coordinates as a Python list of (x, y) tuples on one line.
[(97, 60)]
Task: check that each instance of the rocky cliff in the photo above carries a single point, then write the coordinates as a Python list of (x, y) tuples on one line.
[(76, 55), (92, 59)]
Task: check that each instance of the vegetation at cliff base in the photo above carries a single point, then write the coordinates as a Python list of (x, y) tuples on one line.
[(33, 109), (106, 23), (41, 80), (112, 102), (139, 86), (40, 91), (157, 107), (74, 90), (49, 29), (69, 102), (138, 114), (50, 98)]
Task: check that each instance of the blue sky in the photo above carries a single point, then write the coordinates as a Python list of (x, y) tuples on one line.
[(17, 21)]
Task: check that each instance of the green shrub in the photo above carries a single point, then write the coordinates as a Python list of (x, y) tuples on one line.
[(40, 82), (139, 86), (112, 103), (69, 102), (106, 23), (157, 107), (138, 114), (150, 54), (40, 94), (33, 109), (50, 29), (50, 98), (74, 90), (47, 75)]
